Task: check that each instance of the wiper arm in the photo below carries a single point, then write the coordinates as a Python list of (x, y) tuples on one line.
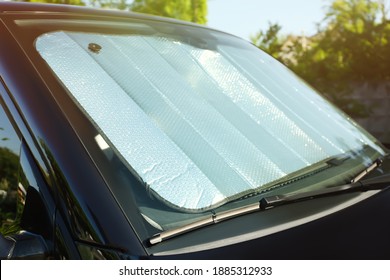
[(277, 200)]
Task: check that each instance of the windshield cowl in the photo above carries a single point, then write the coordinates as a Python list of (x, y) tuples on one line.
[(269, 202)]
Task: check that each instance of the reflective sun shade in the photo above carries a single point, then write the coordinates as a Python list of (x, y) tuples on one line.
[(200, 126)]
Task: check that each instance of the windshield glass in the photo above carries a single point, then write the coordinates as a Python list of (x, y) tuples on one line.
[(200, 120)]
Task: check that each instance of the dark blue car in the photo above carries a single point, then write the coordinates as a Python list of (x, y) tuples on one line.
[(124, 136)]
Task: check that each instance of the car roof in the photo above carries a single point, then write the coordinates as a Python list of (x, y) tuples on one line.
[(40, 8), (28, 8)]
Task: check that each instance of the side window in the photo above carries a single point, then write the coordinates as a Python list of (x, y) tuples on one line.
[(34, 197), (10, 194)]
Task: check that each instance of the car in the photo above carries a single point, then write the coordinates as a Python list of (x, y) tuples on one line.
[(127, 136)]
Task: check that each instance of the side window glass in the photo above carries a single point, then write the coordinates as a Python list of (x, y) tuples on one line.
[(10, 144), (33, 195)]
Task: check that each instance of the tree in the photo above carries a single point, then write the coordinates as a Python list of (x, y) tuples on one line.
[(357, 36), (270, 40), (189, 10), (352, 46), (115, 4), (68, 2), (9, 162)]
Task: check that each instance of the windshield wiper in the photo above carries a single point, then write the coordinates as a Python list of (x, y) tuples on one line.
[(354, 186), (278, 200)]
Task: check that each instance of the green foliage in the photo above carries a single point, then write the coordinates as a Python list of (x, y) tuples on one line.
[(351, 47), (269, 41), (68, 2), (188, 10), (8, 182), (8, 165), (113, 4)]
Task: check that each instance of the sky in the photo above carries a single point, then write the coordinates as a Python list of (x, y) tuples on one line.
[(246, 17)]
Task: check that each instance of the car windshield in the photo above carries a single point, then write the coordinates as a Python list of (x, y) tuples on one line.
[(201, 118)]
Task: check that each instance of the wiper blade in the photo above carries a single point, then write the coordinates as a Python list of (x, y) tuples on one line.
[(213, 219), (354, 186), (277, 200)]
